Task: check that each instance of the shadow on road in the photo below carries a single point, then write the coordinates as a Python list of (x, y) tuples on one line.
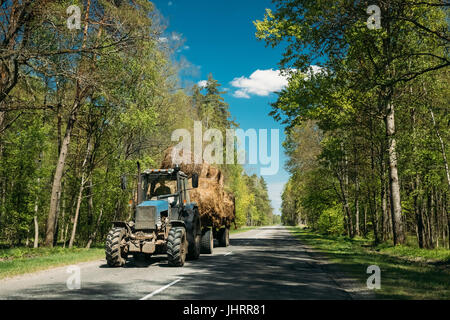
[(139, 262), (260, 269), (274, 268)]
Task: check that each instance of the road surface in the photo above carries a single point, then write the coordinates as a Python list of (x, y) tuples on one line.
[(261, 264)]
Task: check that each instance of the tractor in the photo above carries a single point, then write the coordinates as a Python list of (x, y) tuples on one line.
[(165, 221)]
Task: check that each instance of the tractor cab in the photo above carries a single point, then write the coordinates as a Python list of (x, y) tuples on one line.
[(159, 193), (169, 185)]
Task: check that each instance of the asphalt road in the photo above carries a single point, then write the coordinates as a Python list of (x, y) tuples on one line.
[(261, 264)]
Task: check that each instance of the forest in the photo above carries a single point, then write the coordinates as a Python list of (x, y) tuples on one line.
[(80, 107), (368, 127)]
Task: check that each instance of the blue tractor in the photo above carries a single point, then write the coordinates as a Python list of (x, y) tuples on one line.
[(165, 221)]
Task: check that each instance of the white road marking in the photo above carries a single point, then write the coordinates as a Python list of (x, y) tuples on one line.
[(160, 290), (226, 254)]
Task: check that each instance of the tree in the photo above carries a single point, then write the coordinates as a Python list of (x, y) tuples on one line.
[(357, 58)]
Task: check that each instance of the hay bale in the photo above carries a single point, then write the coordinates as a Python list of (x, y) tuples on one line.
[(188, 168), (216, 206), (229, 206)]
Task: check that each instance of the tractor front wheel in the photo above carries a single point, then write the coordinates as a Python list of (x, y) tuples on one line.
[(177, 247), (116, 248)]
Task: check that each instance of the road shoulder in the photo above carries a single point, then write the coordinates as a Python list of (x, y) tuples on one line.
[(355, 289)]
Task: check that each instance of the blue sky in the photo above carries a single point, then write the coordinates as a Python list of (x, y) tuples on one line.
[(218, 37)]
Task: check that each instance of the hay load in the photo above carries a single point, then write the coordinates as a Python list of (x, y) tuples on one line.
[(215, 204)]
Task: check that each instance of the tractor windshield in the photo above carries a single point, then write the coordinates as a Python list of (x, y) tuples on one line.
[(161, 189), (157, 185)]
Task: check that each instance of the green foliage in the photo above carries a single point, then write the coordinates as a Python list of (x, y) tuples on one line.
[(22, 169), (331, 221), (252, 200)]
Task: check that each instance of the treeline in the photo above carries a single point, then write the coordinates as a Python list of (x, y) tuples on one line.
[(367, 134), (79, 108)]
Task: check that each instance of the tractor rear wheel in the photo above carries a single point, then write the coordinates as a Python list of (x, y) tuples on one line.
[(194, 247), (115, 249), (177, 247), (207, 242), (224, 237)]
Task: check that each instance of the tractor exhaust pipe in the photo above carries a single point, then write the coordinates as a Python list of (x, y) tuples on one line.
[(139, 184)]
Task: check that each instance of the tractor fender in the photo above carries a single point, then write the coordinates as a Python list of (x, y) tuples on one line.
[(191, 217), (177, 223), (121, 224)]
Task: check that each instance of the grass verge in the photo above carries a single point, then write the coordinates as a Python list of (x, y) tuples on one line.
[(406, 273), (242, 229), (19, 261)]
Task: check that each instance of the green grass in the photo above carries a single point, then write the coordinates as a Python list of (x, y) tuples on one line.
[(17, 261), (406, 272), (438, 256)]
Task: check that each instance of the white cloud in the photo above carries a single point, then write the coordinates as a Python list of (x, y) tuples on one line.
[(170, 3), (264, 82), (202, 84), (241, 94), (176, 37), (163, 39), (260, 83), (313, 70)]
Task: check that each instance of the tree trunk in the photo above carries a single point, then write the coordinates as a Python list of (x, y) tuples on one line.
[(3, 180), (396, 206), (383, 195), (386, 224), (436, 217), (365, 222), (429, 233), (77, 212), (63, 219), (419, 219), (346, 207), (444, 156), (373, 212), (448, 220), (2, 117), (80, 193), (56, 188), (58, 209), (357, 208), (90, 204), (36, 226), (94, 234)]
